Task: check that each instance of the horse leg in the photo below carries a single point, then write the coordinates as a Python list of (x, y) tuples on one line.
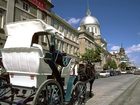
[(90, 91)]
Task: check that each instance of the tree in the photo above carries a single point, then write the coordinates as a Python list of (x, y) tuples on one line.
[(105, 67), (122, 65), (111, 64), (88, 55), (92, 55), (97, 54)]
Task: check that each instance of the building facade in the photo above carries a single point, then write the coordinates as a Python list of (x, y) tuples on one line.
[(70, 45), (120, 57), (90, 37), (20, 10)]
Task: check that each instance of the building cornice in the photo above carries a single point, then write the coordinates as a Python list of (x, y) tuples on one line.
[(48, 2), (63, 21), (86, 34)]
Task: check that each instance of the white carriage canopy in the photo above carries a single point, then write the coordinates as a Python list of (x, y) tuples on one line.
[(22, 59)]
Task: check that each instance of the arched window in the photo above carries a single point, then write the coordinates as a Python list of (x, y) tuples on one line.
[(95, 30)]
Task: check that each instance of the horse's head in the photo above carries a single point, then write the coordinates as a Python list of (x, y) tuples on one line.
[(82, 65)]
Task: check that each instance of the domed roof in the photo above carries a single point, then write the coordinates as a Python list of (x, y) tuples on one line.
[(88, 19)]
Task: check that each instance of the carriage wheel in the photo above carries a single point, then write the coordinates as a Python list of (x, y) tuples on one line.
[(49, 93), (79, 93)]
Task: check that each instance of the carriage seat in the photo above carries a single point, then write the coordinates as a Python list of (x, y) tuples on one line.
[(26, 66)]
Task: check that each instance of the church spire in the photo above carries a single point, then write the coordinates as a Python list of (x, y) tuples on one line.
[(121, 45), (88, 9)]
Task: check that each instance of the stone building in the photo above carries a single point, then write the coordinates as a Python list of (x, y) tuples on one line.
[(90, 37), (120, 56), (75, 41), (20, 10)]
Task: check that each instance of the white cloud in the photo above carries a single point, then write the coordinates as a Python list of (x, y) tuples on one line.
[(133, 49), (74, 21), (134, 54), (134, 59), (115, 48)]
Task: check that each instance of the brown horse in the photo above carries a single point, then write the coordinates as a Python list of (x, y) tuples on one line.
[(86, 73)]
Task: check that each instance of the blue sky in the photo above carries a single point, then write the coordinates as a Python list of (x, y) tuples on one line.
[(119, 21)]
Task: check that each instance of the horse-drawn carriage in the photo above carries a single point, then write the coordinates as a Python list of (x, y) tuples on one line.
[(34, 78)]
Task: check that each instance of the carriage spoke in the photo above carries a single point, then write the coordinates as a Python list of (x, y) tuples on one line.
[(79, 93), (52, 94)]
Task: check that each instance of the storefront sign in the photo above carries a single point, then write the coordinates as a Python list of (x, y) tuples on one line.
[(39, 3)]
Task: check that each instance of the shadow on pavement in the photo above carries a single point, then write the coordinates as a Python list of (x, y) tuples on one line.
[(89, 96)]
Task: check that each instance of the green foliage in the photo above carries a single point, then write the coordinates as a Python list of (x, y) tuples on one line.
[(92, 55), (122, 66), (105, 67), (111, 64)]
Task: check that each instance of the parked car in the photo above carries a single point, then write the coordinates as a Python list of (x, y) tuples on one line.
[(137, 72), (123, 72), (118, 72), (130, 71), (104, 73)]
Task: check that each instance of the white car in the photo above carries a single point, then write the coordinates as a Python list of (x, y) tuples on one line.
[(123, 72), (104, 73)]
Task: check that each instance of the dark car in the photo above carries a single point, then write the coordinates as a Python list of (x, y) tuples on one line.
[(112, 72), (118, 72)]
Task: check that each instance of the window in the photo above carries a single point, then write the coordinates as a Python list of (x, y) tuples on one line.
[(72, 36), (59, 44), (60, 28), (95, 29), (55, 24), (68, 47), (77, 40), (44, 17), (72, 49), (64, 47), (68, 35), (26, 6), (90, 29)]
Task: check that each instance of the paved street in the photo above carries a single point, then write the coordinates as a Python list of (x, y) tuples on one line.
[(106, 90), (115, 90), (129, 97)]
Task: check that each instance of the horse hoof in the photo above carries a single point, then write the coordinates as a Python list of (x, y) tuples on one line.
[(91, 95)]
